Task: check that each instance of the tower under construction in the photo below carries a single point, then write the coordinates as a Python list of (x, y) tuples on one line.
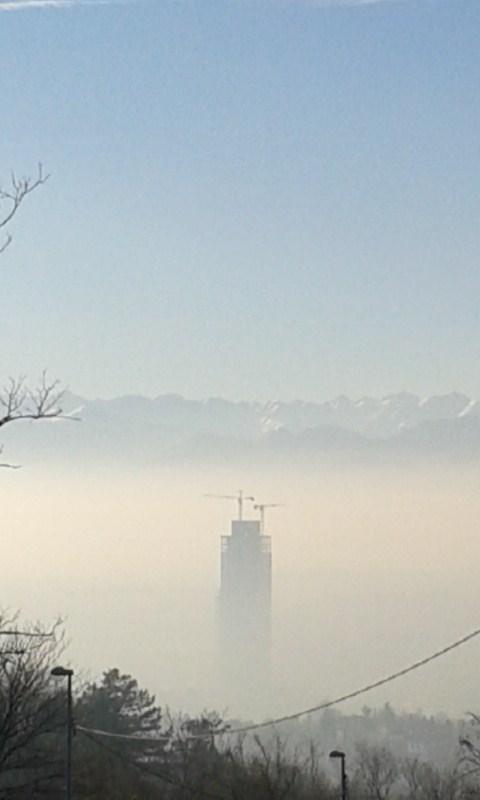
[(245, 602)]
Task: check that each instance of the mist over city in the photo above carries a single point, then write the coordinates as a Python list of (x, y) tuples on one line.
[(239, 400), (373, 545)]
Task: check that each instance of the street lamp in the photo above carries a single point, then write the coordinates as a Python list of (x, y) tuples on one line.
[(62, 672), (341, 756)]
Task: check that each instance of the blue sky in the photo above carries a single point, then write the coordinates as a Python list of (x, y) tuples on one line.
[(249, 198)]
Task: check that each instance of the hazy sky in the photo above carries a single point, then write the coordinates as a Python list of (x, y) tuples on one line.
[(249, 198)]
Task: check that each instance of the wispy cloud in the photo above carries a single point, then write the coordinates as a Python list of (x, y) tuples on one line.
[(348, 3), (21, 5), (338, 3)]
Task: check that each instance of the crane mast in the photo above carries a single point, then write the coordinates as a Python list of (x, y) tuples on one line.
[(240, 499), (261, 507)]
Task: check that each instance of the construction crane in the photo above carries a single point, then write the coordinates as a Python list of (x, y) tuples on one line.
[(240, 498), (261, 508)]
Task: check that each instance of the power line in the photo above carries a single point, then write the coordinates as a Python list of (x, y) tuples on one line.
[(143, 769), (194, 791), (363, 690), (305, 712), (123, 736)]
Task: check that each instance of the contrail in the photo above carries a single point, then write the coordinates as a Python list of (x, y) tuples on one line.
[(21, 5)]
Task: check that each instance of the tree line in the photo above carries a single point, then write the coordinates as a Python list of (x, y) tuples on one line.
[(164, 756)]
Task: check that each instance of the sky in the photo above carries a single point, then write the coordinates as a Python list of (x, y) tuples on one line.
[(248, 198), (256, 199)]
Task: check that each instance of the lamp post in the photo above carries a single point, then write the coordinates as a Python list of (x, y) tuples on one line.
[(62, 672), (341, 756)]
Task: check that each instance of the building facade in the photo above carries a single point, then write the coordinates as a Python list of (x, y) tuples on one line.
[(245, 608)]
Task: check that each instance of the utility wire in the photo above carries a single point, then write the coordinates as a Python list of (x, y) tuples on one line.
[(153, 773), (307, 711), (123, 736), (363, 690), (194, 791)]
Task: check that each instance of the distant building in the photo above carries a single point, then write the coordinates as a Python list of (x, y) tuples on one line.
[(244, 608)]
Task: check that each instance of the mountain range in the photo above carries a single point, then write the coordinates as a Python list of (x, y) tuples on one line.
[(171, 427)]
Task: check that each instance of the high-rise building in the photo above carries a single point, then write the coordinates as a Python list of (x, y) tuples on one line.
[(245, 607)]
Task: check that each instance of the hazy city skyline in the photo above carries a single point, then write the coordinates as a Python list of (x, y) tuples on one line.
[(269, 208)]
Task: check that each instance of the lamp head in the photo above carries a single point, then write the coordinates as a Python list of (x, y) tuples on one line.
[(61, 672), (337, 754)]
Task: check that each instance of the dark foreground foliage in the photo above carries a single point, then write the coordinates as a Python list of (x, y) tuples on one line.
[(156, 756)]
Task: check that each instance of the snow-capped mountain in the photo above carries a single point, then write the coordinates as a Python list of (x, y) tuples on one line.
[(138, 427), (372, 417)]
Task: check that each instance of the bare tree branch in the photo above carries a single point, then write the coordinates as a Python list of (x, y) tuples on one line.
[(13, 196), (31, 711), (19, 402), (6, 465)]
